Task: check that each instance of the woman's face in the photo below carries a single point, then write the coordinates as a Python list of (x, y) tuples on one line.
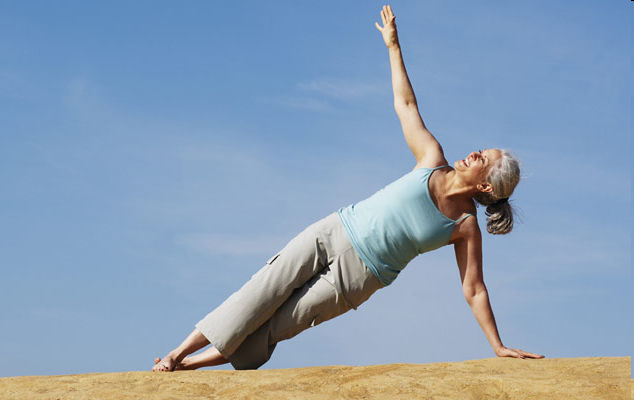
[(476, 166)]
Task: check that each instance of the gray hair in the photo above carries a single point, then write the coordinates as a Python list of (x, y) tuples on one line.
[(504, 176)]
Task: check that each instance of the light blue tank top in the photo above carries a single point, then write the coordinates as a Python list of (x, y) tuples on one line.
[(397, 223)]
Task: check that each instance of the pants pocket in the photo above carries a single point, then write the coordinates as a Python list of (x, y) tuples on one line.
[(272, 259)]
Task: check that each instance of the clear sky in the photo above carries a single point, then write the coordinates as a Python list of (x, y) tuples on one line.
[(153, 155)]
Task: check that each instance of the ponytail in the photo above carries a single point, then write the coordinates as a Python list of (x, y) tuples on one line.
[(499, 218)]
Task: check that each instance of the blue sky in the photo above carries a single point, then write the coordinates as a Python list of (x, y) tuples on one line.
[(154, 154)]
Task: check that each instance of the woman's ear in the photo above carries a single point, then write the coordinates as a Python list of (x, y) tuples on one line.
[(484, 187)]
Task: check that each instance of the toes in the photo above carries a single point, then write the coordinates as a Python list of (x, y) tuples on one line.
[(158, 366), (162, 365)]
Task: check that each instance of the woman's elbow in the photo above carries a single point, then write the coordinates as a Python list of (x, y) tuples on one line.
[(404, 105), (473, 291)]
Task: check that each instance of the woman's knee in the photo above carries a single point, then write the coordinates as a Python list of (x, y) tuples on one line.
[(316, 302)]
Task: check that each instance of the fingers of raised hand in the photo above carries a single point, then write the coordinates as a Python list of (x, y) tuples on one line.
[(387, 16), (390, 14), (378, 27)]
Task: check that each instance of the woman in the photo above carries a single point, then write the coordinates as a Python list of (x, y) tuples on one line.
[(337, 263)]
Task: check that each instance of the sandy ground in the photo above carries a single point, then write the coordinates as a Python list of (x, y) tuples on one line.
[(494, 378)]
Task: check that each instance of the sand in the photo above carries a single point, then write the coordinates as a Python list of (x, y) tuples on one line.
[(494, 378)]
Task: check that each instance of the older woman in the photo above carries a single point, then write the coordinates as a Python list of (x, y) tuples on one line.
[(337, 263)]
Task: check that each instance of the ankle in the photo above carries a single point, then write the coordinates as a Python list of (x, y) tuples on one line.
[(177, 355)]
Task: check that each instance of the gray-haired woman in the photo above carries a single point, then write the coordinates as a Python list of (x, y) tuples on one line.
[(337, 263)]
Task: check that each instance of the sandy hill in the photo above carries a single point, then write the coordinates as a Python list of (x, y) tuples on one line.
[(495, 378)]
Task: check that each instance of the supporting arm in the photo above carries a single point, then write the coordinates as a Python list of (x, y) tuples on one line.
[(468, 249)]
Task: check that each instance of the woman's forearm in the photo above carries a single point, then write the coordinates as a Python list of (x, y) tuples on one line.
[(483, 313), (403, 91)]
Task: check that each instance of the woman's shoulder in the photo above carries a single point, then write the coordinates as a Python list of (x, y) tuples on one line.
[(432, 161), (467, 229), (471, 208), (469, 213), (433, 166)]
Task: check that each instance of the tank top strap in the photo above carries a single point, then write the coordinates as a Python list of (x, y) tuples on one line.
[(464, 217), (442, 166)]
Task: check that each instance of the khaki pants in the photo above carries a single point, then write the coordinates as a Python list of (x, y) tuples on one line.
[(316, 277)]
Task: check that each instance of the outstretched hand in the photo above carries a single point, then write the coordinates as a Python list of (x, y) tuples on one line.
[(388, 30), (517, 353)]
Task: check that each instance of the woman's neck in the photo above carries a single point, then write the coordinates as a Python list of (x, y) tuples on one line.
[(454, 187)]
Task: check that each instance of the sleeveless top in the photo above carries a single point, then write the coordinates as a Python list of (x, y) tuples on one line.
[(397, 223)]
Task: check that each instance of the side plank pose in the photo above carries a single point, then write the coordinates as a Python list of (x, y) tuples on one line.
[(337, 263)]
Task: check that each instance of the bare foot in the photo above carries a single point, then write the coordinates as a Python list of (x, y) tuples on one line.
[(178, 367), (171, 362), (194, 342), (167, 364)]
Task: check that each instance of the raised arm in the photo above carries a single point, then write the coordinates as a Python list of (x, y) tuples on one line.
[(468, 250), (423, 144)]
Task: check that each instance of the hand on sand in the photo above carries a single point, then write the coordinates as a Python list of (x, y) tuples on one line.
[(517, 353)]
